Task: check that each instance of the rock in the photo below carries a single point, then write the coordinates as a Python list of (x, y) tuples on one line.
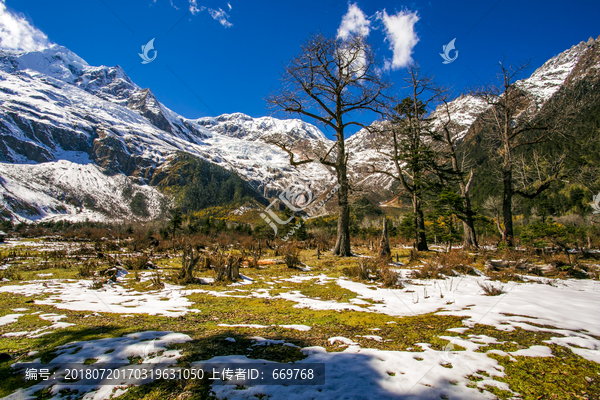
[(547, 268), (151, 265), (523, 265), (475, 271), (495, 265), (114, 272)]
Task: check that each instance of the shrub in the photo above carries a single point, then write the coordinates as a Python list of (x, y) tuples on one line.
[(156, 281), (361, 271), (11, 275), (291, 256), (136, 263), (97, 283), (455, 259), (390, 278), (376, 269), (85, 270), (491, 290), (189, 260), (429, 271)]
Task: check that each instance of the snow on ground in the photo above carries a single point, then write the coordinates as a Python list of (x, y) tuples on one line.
[(77, 296), (9, 319), (43, 185), (303, 328), (149, 345), (571, 306), (56, 324), (358, 371)]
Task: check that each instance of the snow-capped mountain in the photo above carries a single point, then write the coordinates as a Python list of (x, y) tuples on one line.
[(81, 141), (568, 67), (57, 112), (242, 126)]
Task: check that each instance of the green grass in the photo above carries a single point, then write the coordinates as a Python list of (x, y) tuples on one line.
[(562, 376)]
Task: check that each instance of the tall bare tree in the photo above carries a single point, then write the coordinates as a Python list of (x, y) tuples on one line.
[(410, 141), (513, 123), (466, 213), (332, 80)]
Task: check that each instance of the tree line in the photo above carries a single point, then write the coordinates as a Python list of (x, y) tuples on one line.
[(520, 143)]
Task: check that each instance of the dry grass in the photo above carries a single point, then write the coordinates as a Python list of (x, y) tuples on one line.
[(86, 270), (429, 271), (491, 290), (97, 283), (136, 263), (365, 270), (390, 278), (374, 269), (291, 256), (156, 281), (458, 260)]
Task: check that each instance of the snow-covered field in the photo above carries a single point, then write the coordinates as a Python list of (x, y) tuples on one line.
[(567, 308)]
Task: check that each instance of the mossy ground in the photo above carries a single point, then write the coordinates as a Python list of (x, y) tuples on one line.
[(566, 375)]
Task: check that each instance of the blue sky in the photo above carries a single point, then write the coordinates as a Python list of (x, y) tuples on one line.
[(229, 53)]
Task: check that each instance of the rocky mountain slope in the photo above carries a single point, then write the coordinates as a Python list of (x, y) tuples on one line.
[(59, 113), (79, 141), (563, 71)]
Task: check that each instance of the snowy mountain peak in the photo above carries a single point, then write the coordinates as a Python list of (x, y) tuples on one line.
[(55, 107), (242, 126), (547, 79), (56, 61), (109, 83)]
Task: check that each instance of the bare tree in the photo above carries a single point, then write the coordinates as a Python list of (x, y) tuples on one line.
[(410, 141), (466, 214), (493, 205), (513, 123), (331, 81), (384, 242)]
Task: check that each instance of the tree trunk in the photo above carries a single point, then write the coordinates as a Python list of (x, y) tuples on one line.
[(420, 239), (507, 196), (384, 244), (342, 243), (470, 239)]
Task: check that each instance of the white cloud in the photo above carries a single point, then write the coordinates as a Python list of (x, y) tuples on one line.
[(218, 15), (194, 7), (16, 33), (401, 35), (354, 22), (221, 16), (229, 5)]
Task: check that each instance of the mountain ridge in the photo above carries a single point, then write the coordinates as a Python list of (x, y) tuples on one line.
[(55, 107)]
